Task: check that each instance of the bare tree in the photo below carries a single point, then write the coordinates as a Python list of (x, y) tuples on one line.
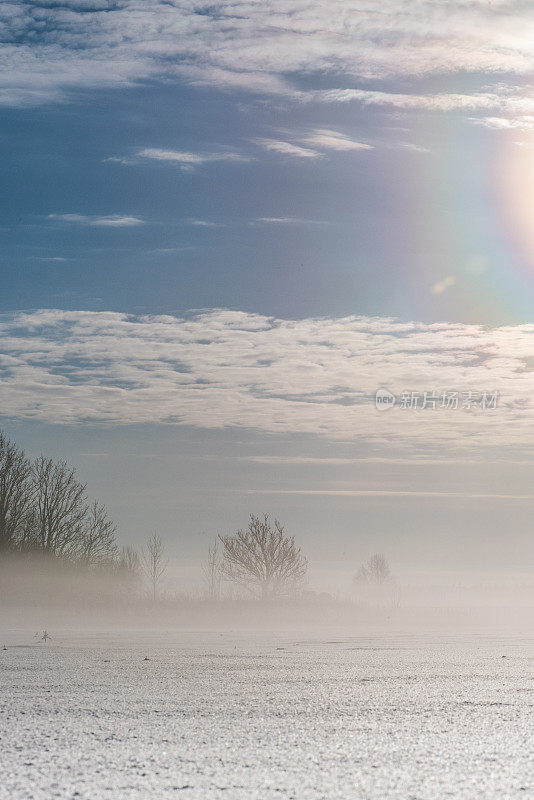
[(154, 562), (60, 507), (131, 561), (98, 545), (375, 570), (15, 492), (129, 568), (27, 534), (263, 559), (212, 572)]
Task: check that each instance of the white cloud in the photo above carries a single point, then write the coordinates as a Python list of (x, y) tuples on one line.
[(173, 155), (315, 141), (322, 138), (288, 149), (277, 220), (524, 122), (50, 49), (288, 221), (201, 223), (502, 101), (109, 221), (333, 140), (186, 159), (414, 148), (225, 368)]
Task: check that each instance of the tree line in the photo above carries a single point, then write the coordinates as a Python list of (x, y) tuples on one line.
[(45, 510)]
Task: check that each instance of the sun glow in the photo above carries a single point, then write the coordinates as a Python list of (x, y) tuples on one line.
[(516, 183)]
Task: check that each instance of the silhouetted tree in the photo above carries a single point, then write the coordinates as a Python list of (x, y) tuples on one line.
[(375, 570), (154, 562), (129, 558), (97, 545), (128, 568), (15, 492), (60, 507), (27, 535), (263, 559), (212, 572)]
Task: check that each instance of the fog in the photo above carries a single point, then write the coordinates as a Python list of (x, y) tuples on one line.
[(307, 653), (40, 594)]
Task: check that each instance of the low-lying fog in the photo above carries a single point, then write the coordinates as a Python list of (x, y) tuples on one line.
[(40, 593)]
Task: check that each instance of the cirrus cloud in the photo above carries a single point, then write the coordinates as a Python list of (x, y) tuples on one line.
[(288, 149), (106, 221), (333, 140)]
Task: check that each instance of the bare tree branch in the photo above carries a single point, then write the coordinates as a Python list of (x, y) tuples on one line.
[(16, 492), (98, 545), (60, 507)]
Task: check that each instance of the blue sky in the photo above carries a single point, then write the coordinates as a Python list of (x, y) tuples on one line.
[(350, 187), (204, 238), (296, 230)]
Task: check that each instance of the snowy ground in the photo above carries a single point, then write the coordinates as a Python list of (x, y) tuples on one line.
[(258, 716)]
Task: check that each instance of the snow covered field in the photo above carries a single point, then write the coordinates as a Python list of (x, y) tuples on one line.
[(259, 716)]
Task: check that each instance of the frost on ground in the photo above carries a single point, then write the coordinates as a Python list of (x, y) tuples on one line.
[(242, 716)]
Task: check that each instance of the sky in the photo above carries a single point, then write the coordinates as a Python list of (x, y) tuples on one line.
[(225, 226)]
